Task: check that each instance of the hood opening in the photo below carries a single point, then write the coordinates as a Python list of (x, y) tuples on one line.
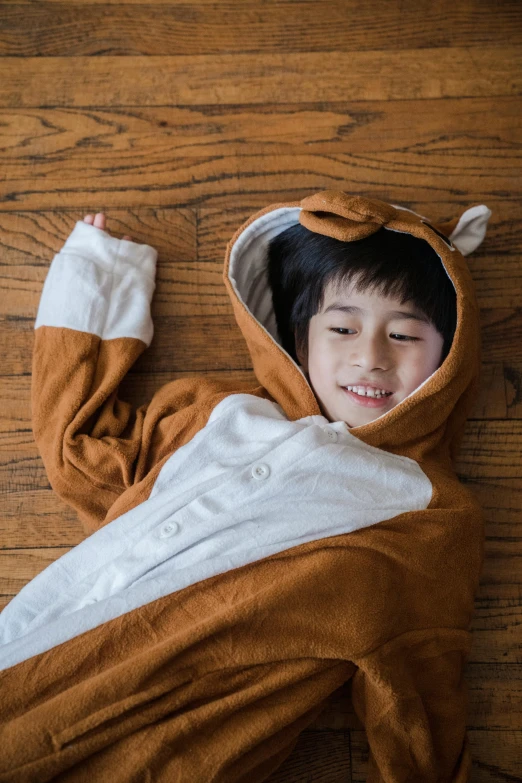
[(249, 277), (426, 418)]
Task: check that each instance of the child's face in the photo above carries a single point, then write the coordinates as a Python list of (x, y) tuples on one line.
[(370, 350)]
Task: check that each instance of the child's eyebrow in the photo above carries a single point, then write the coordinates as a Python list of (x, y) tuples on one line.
[(398, 314)]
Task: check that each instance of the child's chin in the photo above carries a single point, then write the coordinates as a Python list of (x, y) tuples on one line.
[(360, 418)]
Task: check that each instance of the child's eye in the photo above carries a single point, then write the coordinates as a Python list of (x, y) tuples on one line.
[(400, 337), (403, 338)]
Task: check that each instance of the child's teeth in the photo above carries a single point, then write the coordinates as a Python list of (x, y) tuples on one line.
[(366, 392)]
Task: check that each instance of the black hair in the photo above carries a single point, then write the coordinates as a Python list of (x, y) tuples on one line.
[(302, 263)]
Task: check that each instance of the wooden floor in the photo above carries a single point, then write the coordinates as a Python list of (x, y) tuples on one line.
[(179, 119)]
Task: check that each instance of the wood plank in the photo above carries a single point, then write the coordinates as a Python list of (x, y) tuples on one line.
[(501, 500), (495, 700), (235, 3), (500, 392), (221, 181), (196, 290), (496, 756), (202, 295), (491, 450), (33, 518), (21, 470), (496, 622), (334, 755), (495, 695), (318, 757), (29, 240), (36, 517), (212, 344), (188, 288), (209, 161), (156, 133), (258, 78), (192, 28), (19, 567), (503, 564), (501, 331)]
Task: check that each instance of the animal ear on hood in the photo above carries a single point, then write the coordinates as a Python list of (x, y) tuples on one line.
[(467, 231)]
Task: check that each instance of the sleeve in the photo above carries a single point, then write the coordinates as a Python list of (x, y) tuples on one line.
[(93, 322), (411, 696)]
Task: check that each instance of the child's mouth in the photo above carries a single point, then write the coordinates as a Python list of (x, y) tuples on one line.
[(367, 402)]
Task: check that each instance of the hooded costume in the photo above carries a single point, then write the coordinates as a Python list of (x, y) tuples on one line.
[(246, 556)]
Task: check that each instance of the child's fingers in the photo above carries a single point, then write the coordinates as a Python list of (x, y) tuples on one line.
[(99, 220)]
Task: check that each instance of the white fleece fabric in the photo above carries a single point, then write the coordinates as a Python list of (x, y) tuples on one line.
[(100, 285)]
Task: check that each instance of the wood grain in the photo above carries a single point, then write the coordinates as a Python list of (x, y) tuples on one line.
[(492, 762), (212, 155), (259, 78), (494, 691), (203, 28)]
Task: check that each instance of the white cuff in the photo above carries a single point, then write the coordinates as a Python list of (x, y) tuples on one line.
[(100, 285)]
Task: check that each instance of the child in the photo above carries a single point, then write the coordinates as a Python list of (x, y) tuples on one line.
[(253, 549)]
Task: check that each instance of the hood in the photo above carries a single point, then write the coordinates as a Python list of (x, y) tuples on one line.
[(433, 416)]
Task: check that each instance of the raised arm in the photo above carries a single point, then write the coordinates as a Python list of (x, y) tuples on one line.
[(93, 322)]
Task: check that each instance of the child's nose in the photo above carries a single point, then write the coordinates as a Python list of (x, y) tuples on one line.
[(371, 353)]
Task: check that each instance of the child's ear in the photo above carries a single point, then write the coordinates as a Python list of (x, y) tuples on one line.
[(467, 231)]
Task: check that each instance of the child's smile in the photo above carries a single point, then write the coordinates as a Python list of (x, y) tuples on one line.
[(367, 396)]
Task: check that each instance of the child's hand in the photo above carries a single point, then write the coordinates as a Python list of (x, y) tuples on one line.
[(99, 222)]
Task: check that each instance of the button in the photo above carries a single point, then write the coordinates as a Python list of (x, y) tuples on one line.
[(261, 471), (331, 434), (168, 529)]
